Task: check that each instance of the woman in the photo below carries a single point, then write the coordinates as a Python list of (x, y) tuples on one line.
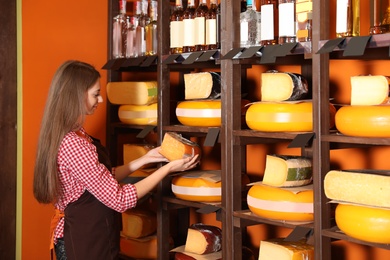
[(73, 171)]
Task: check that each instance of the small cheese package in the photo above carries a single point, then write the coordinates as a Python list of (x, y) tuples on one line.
[(202, 85), (369, 90)]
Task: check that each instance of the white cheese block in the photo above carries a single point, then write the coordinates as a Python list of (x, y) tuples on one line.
[(132, 92), (358, 187), (369, 90), (278, 249), (203, 239), (283, 86), (138, 115), (202, 85)]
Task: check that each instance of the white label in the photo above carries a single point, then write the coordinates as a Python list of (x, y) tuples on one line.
[(202, 113), (177, 32), (244, 31), (286, 19), (199, 31), (211, 31), (342, 16), (189, 29), (267, 22)]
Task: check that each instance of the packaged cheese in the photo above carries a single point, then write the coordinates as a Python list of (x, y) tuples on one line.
[(137, 223), (138, 115), (283, 86), (203, 239), (279, 249), (369, 90), (202, 85), (174, 147), (132, 92)]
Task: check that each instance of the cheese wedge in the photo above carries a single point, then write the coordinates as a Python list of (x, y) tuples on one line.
[(132, 92), (287, 171), (135, 151), (138, 115), (364, 223), (203, 239), (364, 121), (137, 223), (369, 90), (283, 86), (278, 249), (358, 187), (174, 147), (202, 85)]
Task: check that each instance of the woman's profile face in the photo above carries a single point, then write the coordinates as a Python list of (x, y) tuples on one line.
[(93, 98)]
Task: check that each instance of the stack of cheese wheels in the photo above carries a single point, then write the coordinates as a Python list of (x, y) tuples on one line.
[(363, 197), (369, 112), (137, 101)]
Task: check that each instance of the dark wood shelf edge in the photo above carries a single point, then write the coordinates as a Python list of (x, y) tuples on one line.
[(339, 138)]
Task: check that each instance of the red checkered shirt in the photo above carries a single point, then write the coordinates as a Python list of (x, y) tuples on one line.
[(79, 170)]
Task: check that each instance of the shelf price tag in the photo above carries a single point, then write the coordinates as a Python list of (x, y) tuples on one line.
[(301, 140), (146, 131), (356, 46), (250, 52), (330, 45), (211, 137)]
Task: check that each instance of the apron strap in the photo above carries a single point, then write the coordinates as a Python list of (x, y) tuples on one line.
[(58, 214)]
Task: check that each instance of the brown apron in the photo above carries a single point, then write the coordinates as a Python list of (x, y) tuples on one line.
[(92, 230)]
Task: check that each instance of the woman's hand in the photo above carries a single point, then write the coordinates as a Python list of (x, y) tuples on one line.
[(183, 164), (154, 156)]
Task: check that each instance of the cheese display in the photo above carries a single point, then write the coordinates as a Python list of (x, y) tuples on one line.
[(364, 223), (358, 187), (135, 151), (203, 239), (287, 171), (137, 223), (283, 86), (138, 115), (364, 121), (132, 92), (142, 248), (205, 113), (279, 249), (369, 90), (174, 147), (288, 204), (202, 85), (203, 186)]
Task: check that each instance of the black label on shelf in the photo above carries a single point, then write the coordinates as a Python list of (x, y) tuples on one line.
[(330, 45), (146, 131), (301, 140), (207, 55), (192, 58), (250, 52), (211, 137), (232, 53), (356, 46)]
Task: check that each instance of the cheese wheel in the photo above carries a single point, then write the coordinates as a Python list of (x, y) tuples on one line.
[(205, 113), (142, 248), (175, 147), (203, 239), (364, 223), (202, 85), (138, 115), (195, 186), (369, 90), (287, 171), (283, 86), (280, 249), (132, 92), (348, 186), (364, 121), (135, 151), (137, 223), (289, 204)]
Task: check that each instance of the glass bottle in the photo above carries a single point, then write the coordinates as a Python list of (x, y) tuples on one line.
[(248, 26), (211, 26), (243, 6), (130, 43), (258, 19), (269, 22), (386, 19), (377, 27), (140, 30), (151, 30), (200, 25), (287, 30), (303, 17), (119, 32), (176, 28), (189, 25), (347, 18), (219, 26)]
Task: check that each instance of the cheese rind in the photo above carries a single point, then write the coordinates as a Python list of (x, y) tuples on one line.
[(175, 147), (283, 86), (203, 239), (369, 90), (202, 85), (364, 121), (364, 223), (287, 171), (137, 223), (132, 92), (280, 249), (358, 187), (138, 115)]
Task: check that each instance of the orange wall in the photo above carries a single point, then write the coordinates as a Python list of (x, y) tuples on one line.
[(52, 32)]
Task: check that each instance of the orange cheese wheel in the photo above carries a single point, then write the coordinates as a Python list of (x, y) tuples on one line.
[(205, 113), (364, 121), (281, 204), (138, 115), (364, 223), (143, 248), (193, 188)]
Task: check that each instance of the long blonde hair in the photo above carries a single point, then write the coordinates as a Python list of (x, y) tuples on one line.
[(64, 111)]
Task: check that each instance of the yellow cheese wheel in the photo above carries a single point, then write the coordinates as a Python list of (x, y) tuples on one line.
[(138, 115), (193, 187), (290, 204), (205, 113), (364, 121), (280, 117), (364, 223)]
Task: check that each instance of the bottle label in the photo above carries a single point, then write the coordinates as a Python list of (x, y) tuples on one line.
[(286, 19), (267, 22), (189, 36), (177, 32), (211, 31), (342, 16), (199, 30), (244, 31)]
